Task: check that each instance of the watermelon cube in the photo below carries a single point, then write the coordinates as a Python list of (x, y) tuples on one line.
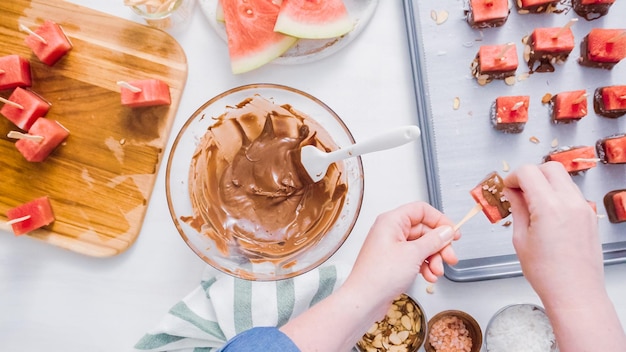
[(574, 159), (569, 106), (149, 92), (488, 193), (497, 58), (31, 216), (53, 134), (30, 106), (592, 9), (487, 13), (54, 46), (615, 204), (603, 47), (510, 113), (610, 101), (553, 40), (612, 150), (14, 72)]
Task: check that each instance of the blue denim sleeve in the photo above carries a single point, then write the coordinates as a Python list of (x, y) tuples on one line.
[(260, 339)]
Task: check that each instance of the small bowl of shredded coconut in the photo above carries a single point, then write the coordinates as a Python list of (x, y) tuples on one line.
[(520, 328), (453, 331)]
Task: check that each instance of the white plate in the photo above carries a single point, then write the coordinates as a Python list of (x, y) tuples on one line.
[(307, 50)]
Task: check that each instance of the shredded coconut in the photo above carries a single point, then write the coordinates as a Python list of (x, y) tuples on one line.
[(520, 328)]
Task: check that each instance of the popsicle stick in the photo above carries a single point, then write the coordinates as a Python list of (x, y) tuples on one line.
[(129, 86), (580, 99), (517, 105), (16, 220), (586, 160), (564, 28), (2, 71), (29, 31), (617, 37), (20, 135), (12, 103), (506, 48), (475, 210)]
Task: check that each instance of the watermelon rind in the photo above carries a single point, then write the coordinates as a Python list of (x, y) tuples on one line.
[(250, 62), (252, 41), (314, 20)]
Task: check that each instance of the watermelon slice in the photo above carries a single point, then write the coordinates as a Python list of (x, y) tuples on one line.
[(54, 46), (147, 92), (29, 107), (30, 216), (574, 159), (252, 41), (53, 134), (14, 72), (314, 19)]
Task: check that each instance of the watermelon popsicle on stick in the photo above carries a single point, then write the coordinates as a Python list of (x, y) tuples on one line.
[(30, 216), (24, 107), (14, 72), (44, 137), (490, 199), (147, 92), (48, 42)]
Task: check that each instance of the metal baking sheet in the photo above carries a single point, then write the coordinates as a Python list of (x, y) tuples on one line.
[(461, 146)]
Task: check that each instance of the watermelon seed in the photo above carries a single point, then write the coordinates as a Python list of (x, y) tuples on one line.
[(12, 103), (16, 220), (29, 31)]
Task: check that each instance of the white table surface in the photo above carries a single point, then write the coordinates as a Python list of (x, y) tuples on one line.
[(55, 300)]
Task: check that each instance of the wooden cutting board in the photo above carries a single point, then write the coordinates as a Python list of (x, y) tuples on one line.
[(100, 180)]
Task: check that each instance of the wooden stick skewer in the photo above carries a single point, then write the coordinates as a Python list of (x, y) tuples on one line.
[(2, 71), (506, 48), (129, 86), (475, 210), (16, 220), (617, 37), (586, 160), (517, 105), (580, 99), (564, 28), (29, 31), (20, 135), (12, 103)]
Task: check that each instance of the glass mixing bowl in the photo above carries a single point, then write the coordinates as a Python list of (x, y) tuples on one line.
[(235, 262)]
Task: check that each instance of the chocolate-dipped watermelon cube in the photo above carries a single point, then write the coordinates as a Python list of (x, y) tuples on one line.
[(615, 205), (603, 48), (591, 9), (14, 72), (147, 92), (488, 193), (487, 13), (548, 46), (494, 62), (509, 114), (576, 160), (31, 215), (50, 43), (52, 133), (536, 6), (569, 106), (612, 149), (24, 108), (610, 101)]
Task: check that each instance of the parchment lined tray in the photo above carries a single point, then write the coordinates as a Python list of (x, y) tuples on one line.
[(462, 147)]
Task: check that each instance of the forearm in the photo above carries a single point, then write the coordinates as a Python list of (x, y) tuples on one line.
[(337, 322), (592, 325)]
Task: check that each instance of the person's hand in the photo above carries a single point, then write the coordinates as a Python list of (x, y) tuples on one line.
[(397, 246), (555, 233)]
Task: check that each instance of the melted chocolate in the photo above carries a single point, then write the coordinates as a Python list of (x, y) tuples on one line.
[(492, 187), (248, 189)]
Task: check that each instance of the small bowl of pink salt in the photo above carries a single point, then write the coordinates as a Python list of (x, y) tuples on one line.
[(453, 331)]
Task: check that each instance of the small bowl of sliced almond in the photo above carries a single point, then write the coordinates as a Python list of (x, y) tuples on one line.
[(402, 329)]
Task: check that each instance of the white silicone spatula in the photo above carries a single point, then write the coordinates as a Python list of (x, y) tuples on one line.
[(316, 162)]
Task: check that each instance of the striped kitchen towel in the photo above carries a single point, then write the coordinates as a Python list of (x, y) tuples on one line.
[(223, 306)]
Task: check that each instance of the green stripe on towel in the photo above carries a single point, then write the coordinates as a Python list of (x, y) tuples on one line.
[(149, 341), (242, 305), (286, 300), (327, 280), (182, 311)]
